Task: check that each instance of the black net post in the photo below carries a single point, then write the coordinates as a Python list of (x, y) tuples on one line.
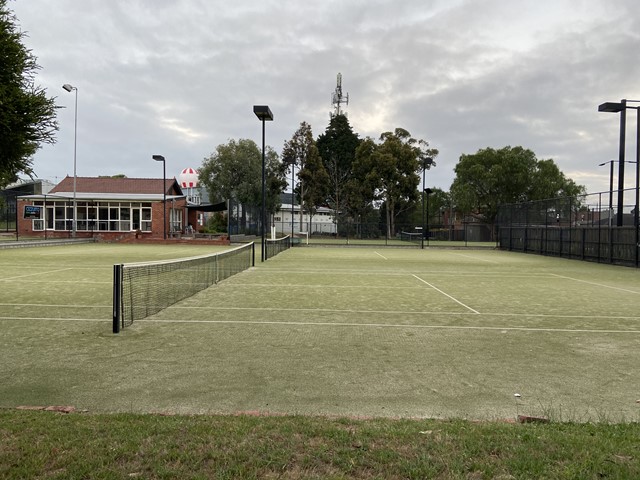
[(117, 297)]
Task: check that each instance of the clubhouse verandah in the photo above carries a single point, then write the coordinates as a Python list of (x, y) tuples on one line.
[(111, 208)]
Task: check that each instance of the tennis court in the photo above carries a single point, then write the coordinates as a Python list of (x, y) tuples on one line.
[(333, 331)]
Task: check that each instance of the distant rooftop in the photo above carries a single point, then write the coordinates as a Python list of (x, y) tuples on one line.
[(119, 185)]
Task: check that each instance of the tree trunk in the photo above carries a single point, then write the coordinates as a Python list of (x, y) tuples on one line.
[(388, 220)]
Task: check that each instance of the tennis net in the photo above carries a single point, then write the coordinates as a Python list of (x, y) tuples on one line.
[(276, 245), (411, 237), (142, 289)]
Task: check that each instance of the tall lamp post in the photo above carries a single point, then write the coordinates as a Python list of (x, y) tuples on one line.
[(427, 192), (293, 193), (621, 107), (611, 162), (160, 158), (263, 113), (74, 227), (426, 162)]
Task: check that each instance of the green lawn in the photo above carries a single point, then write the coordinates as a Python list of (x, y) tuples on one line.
[(101, 446)]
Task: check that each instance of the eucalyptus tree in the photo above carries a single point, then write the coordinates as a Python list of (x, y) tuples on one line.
[(301, 151), (234, 171), (388, 172), (316, 181), (488, 178)]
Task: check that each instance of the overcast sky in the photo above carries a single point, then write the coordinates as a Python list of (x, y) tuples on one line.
[(179, 77)]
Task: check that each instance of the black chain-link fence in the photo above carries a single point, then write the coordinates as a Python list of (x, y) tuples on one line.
[(589, 227), (244, 220), (7, 216)]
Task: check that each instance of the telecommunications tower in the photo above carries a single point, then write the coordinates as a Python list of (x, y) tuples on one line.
[(337, 98)]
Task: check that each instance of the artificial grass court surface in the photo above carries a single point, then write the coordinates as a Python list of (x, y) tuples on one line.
[(329, 331)]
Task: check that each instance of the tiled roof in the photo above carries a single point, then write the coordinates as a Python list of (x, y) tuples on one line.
[(118, 185)]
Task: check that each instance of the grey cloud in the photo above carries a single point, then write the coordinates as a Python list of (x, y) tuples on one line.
[(180, 77)]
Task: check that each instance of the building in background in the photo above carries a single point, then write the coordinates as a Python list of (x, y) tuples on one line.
[(320, 223), (8, 199), (110, 207)]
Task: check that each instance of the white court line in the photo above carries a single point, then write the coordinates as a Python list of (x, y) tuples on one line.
[(48, 319), (38, 273), (336, 324), (475, 258), (596, 284), (320, 286), (84, 266), (387, 325), (351, 311), (447, 295), (396, 273), (379, 254), (73, 282), (52, 305), (176, 252), (401, 312), (77, 252)]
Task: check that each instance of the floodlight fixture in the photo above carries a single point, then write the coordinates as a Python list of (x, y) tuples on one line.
[(611, 107), (263, 112)]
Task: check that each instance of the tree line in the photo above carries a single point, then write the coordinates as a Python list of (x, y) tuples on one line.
[(377, 181), (354, 177)]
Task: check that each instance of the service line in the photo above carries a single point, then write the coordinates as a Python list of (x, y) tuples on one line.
[(384, 325), (595, 284), (447, 295), (37, 273)]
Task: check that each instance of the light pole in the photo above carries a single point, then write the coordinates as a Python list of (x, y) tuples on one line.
[(614, 107), (427, 192), (426, 162), (263, 113), (611, 162), (70, 88), (293, 195), (160, 158), (621, 107)]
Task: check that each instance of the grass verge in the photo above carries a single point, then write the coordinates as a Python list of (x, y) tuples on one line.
[(37, 444)]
